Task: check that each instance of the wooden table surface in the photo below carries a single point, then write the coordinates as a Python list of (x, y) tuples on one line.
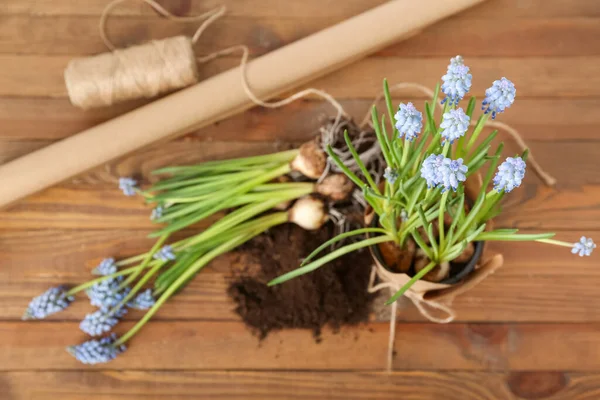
[(531, 331)]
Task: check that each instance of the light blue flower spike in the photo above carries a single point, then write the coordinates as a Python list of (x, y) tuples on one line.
[(499, 97), (443, 172), (97, 351), (105, 294), (106, 267), (584, 247), (430, 170), (409, 121), (165, 254), (143, 301), (99, 322), (51, 301), (457, 81), (390, 175), (510, 174), (453, 172), (454, 124), (156, 213), (128, 186)]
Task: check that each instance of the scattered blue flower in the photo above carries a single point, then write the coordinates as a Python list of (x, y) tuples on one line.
[(443, 172), (390, 175), (106, 267), (143, 301), (101, 321), (430, 169), (106, 294), (510, 174), (584, 247), (409, 121), (127, 185), (454, 124), (165, 254), (51, 301), (499, 97), (457, 81), (97, 351), (453, 172), (156, 213)]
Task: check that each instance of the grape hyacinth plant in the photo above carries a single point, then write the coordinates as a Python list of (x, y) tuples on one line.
[(251, 189), (52, 301), (423, 199)]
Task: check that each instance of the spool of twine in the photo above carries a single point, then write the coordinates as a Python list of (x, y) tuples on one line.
[(141, 71), (136, 72)]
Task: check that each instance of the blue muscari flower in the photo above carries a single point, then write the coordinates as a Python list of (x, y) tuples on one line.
[(106, 267), (454, 61), (51, 301), (510, 174), (499, 97), (156, 213), (453, 172), (457, 81), (165, 254), (101, 321), (97, 351), (105, 294), (409, 121), (443, 172), (127, 185), (584, 247), (390, 175), (430, 169), (143, 301), (454, 124)]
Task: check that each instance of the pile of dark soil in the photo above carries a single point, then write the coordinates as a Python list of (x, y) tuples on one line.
[(335, 294)]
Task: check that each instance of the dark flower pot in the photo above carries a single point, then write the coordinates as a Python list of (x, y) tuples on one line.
[(458, 271)]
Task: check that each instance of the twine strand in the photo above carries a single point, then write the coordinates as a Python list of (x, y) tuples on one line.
[(544, 176), (388, 281), (212, 15), (326, 136)]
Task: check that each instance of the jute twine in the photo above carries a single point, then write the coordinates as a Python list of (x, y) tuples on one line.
[(140, 71), (390, 281)]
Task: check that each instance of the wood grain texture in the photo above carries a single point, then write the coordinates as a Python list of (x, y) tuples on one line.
[(534, 76), (37, 119), (409, 385), (530, 331), (527, 288), (55, 35), (498, 9), (182, 345)]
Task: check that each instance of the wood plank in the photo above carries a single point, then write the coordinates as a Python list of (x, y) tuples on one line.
[(308, 8), (533, 76), (543, 119), (180, 345), (54, 35), (532, 281), (412, 385), (93, 201)]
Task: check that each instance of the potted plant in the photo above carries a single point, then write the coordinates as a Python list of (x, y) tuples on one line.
[(429, 222)]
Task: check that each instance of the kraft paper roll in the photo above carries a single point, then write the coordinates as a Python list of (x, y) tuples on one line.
[(222, 96)]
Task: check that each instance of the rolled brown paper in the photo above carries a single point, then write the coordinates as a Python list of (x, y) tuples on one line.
[(222, 96)]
